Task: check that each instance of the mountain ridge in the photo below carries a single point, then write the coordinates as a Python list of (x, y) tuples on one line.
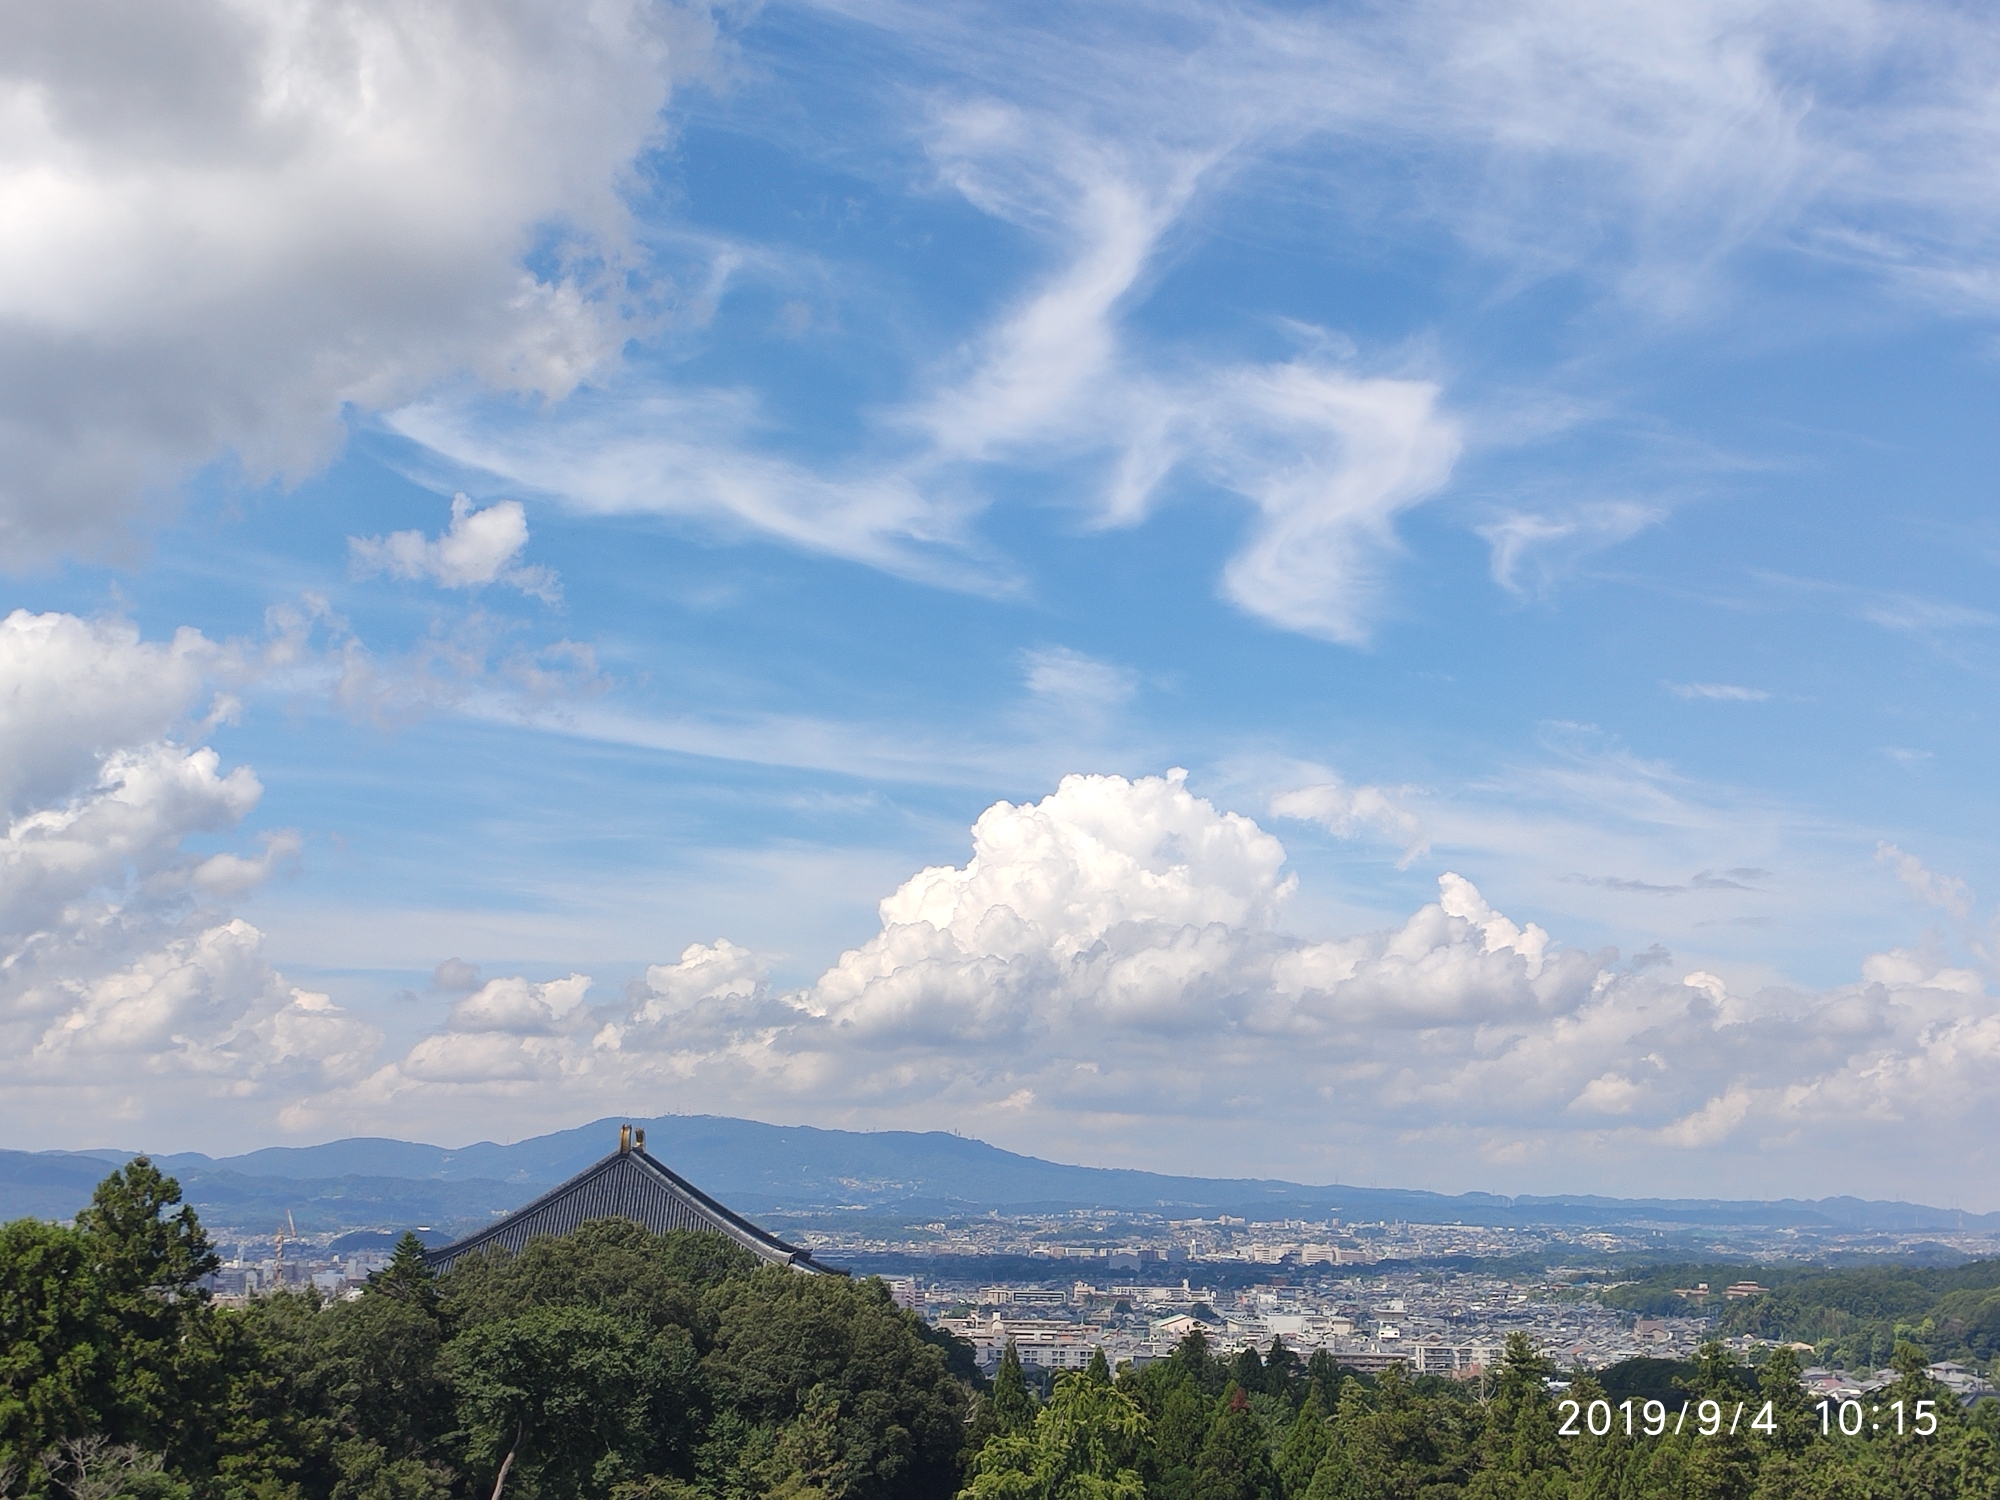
[(758, 1167)]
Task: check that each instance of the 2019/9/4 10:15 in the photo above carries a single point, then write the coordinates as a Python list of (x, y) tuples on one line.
[(1713, 1419)]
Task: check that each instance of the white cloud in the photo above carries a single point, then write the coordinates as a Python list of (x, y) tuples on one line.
[(1328, 455), (1330, 459), (516, 1005), (1073, 683), (479, 548), (1718, 692), (1641, 149), (1349, 811), (73, 690), (123, 994), (1545, 544), (625, 452), (1110, 971), (1644, 147), (226, 219), (1946, 892)]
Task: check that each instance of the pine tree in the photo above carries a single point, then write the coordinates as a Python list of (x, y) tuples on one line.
[(1247, 1369), (148, 1267), (1099, 1370), (1324, 1371), (408, 1277), (1521, 1457), (1193, 1361), (1281, 1370), (1305, 1445), (1013, 1408)]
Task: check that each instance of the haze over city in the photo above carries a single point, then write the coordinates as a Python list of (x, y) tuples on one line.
[(1390, 596)]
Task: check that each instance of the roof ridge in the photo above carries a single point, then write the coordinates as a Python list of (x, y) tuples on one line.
[(654, 1195)]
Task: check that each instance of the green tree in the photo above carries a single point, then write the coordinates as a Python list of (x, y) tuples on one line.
[(1397, 1443), (808, 1462), (1083, 1446), (1520, 1455), (1281, 1370), (1305, 1445), (50, 1322), (94, 1468), (778, 1334), (408, 1277), (562, 1392), (1247, 1369), (1012, 1407), (267, 1435), (614, 1265), (1235, 1461), (1779, 1383), (1323, 1371), (153, 1368), (1193, 1359)]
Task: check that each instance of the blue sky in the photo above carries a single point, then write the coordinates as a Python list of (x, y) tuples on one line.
[(1546, 447)]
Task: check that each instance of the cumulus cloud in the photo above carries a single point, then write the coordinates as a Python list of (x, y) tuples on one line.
[(73, 690), (122, 985), (1350, 811), (479, 548), (226, 219), (1111, 967)]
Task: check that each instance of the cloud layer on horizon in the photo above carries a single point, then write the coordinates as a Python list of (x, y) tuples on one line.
[(1109, 975)]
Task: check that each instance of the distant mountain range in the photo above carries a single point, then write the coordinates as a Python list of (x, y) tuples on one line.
[(372, 1183)]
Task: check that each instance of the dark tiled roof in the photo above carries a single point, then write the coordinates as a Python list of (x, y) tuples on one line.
[(628, 1185)]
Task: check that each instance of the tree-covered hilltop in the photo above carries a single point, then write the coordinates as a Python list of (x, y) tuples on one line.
[(1854, 1318), (613, 1362), (620, 1364), (1857, 1317)]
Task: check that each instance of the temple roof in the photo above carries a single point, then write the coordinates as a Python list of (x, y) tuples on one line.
[(628, 1184)]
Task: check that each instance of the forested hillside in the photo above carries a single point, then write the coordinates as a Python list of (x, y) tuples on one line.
[(612, 1363), (619, 1364), (1854, 1317)]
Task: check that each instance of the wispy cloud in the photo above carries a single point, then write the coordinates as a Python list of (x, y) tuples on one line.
[(1070, 680), (1742, 878), (631, 451), (1540, 546), (1946, 892), (1926, 618), (1717, 692), (1353, 811)]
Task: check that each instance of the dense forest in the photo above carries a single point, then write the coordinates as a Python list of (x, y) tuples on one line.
[(620, 1364), (1854, 1318)]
